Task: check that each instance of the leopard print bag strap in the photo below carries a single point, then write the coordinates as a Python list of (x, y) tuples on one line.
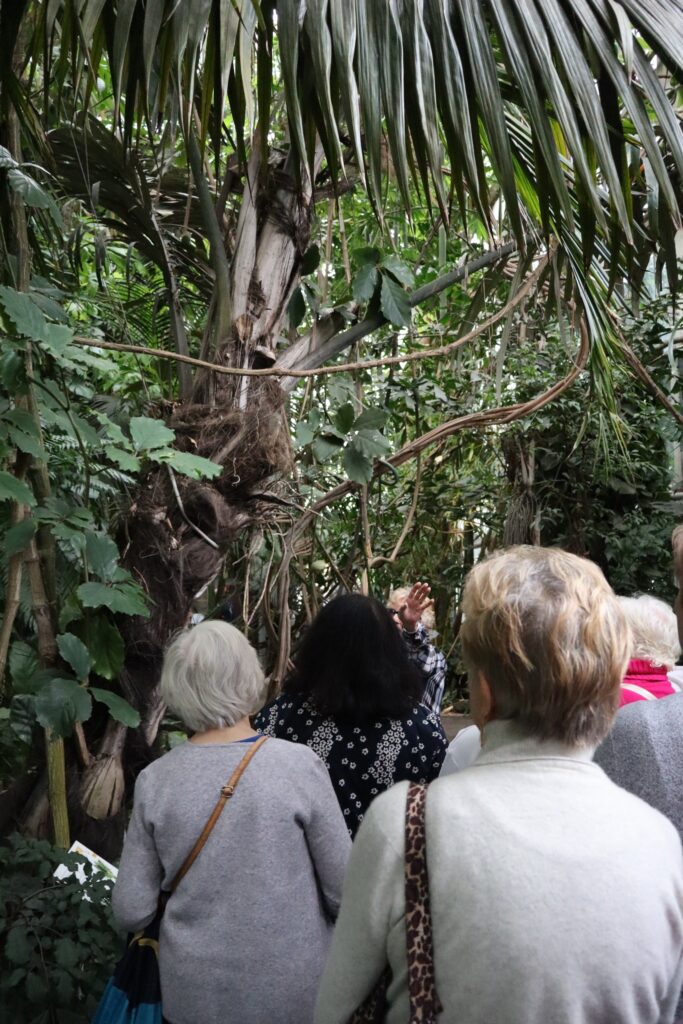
[(424, 1000)]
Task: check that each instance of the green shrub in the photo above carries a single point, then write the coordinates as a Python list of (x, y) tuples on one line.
[(57, 948)]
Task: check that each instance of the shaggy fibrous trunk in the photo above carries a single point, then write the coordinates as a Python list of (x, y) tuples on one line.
[(177, 530)]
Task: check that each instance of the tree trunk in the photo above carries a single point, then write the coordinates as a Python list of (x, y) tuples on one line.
[(239, 423)]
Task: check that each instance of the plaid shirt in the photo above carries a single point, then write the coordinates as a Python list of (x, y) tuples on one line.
[(431, 663)]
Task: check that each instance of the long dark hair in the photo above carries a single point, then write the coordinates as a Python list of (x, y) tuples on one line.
[(352, 664)]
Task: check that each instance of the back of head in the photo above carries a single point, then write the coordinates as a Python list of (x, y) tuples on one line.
[(211, 677), (546, 631), (654, 630), (352, 664)]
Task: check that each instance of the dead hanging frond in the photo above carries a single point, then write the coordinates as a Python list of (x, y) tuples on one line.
[(102, 784)]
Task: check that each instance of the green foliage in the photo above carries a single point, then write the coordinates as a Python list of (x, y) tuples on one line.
[(60, 703), (58, 944)]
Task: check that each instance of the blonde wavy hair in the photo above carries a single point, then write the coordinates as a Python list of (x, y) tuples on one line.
[(546, 630), (654, 629)]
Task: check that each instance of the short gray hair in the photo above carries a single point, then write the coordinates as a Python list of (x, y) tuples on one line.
[(654, 628), (211, 677)]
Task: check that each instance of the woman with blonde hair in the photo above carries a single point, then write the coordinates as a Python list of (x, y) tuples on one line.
[(542, 906), (654, 650), (244, 935)]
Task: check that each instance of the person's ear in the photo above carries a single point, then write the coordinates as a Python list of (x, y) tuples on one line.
[(482, 700)]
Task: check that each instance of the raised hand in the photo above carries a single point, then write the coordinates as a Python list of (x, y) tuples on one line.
[(416, 604)]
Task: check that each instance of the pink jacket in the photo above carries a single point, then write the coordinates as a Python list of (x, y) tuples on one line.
[(644, 681)]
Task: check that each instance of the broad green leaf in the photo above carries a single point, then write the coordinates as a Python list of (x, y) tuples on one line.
[(23, 665), (60, 704), (6, 158), (18, 537), (22, 716), (394, 302), (105, 645), (371, 443), (102, 554), (325, 447), (344, 417), (127, 599), (56, 340), (14, 489), (124, 460), (119, 708), (148, 434), (187, 464), (303, 434), (76, 654), (67, 954), (29, 189), (22, 419), (358, 467), (26, 442), (371, 418), (24, 313), (12, 370), (365, 282), (400, 270), (18, 949), (36, 988)]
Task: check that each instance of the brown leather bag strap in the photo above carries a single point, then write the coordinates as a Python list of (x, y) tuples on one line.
[(226, 792), (425, 1004)]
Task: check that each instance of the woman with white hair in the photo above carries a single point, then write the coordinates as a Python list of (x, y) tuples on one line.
[(654, 650), (245, 934), (542, 905)]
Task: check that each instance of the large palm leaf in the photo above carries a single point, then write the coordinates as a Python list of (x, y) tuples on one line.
[(436, 80)]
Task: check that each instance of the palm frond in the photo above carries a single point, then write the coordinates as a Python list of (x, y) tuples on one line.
[(432, 78)]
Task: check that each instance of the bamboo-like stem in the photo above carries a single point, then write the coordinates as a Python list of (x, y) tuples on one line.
[(12, 597), (56, 787)]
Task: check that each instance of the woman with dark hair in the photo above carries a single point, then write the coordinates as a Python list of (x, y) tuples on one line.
[(354, 698)]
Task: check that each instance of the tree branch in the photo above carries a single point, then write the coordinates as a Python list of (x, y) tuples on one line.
[(339, 342), (368, 325), (484, 418)]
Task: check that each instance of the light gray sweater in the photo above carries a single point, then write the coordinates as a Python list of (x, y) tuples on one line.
[(244, 937), (557, 898)]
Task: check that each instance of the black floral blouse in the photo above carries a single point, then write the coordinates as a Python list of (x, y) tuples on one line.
[(362, 760)]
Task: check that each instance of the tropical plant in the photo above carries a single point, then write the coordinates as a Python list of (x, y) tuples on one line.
[(536, 142), (57, 938)]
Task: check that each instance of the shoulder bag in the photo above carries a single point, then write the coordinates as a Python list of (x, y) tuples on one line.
[(423, 997), (133, 994)]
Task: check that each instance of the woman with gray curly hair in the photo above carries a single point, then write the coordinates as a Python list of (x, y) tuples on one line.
[(245, 934), (554, 896), (654, 650)]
